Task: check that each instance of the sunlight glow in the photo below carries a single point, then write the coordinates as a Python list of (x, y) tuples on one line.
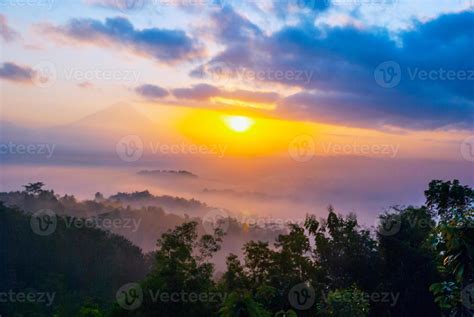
[(239, 123), (243, 103)]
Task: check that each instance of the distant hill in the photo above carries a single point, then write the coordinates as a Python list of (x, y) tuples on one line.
[(91, 138), (142, 217), (120, 117), (169, 203), (170, 173)]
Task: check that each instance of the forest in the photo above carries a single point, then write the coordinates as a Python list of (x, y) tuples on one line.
[(417, 261)]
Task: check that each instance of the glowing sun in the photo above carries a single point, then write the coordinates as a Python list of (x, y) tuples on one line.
[(239, 123)]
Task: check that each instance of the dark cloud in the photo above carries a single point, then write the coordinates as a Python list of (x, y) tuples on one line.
[(167, 46), (6, 32), (151, 91), (344, 64), (203, 92), (198, 94), (232, 27), (377, 110), (238, 34), (13, 72)]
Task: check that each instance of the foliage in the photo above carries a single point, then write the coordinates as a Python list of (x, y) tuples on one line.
[(423, 263), (77, 265), (34, 188), (347, 302), (408, 263), (453, 241), (181, 269), (241, 304)]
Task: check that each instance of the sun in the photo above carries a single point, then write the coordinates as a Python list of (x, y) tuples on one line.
[(239, 123)]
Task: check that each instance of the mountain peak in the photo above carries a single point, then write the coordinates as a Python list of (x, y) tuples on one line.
[(119, 115)]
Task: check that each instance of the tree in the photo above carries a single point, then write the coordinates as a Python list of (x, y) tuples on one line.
[(408, 264), (453, 240), (99, 197), (234, 278), (347, 302), (448, 199), (182, 271), (34, 188), (241, 304), (427, 248), (83, 267), (345, 254)]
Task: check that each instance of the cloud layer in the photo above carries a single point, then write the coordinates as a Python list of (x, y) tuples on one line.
[(151, 91), (346, 63), (163, 45), (352, 74), (6, 32), (13, 72), (202, 95)]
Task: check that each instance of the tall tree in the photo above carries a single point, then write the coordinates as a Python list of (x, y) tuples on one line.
[(453, 240)]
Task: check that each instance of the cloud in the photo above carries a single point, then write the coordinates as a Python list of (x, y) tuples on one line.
[(251, 96), (86, 85), (165, 46), (208, 96), (122, 5), (13, 72), (7, 33), (205, 92), (151, 91), (378, 110), (343, 62), (232, 27), (197, 92)]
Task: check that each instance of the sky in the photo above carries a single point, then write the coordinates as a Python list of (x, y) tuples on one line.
[(306, 86)]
